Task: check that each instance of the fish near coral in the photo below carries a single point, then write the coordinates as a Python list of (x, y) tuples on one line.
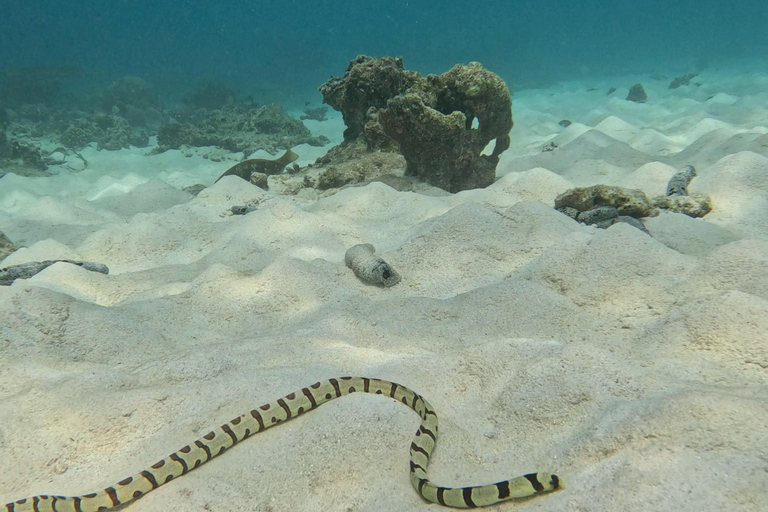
[(263, 165)]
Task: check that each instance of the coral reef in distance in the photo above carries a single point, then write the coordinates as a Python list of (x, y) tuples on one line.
[(39, 108)]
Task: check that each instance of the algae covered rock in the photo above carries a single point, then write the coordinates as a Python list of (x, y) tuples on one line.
[(626, 201), (273, 119), (439, 123), (336, 176), (696, 205), (78, 134), (478, 94), (603, 205), (437, 147), (351, 163), (440, 142)]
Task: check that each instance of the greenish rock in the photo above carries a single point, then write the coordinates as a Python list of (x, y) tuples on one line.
[(631, 202), (695, 205)]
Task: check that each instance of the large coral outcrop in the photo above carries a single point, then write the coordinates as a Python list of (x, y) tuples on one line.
[(439, 123), (367, 82)]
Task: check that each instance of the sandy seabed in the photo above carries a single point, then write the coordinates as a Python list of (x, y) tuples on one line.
[(633, 366)]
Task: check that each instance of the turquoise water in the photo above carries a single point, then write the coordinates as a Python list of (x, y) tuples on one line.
[(294, 46)]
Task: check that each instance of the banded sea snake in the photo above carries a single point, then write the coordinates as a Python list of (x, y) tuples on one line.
[(220, 439)]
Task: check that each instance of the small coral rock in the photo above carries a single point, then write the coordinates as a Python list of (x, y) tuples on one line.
[(597, 215), (631, 202), (692, 206), (637, 94)]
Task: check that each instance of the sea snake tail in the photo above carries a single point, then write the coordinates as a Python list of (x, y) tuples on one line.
[(220, 439)]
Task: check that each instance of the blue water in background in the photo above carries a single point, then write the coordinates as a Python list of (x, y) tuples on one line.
[(289, 48)]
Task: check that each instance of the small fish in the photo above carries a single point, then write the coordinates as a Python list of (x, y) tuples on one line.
[(246, 167)]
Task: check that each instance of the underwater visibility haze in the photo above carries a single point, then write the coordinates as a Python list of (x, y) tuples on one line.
[(296, 45)]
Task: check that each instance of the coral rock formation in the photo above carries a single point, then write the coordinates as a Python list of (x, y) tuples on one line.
[(367, 82), (631, 202), (440, 123)]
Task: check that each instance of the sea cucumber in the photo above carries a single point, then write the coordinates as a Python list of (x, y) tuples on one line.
[(678, 184), (370, 268)]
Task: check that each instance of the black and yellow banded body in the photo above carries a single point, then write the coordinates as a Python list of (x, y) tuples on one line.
[(220, 439)]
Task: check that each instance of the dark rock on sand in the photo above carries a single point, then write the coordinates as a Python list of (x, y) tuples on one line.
[(637, 94)]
